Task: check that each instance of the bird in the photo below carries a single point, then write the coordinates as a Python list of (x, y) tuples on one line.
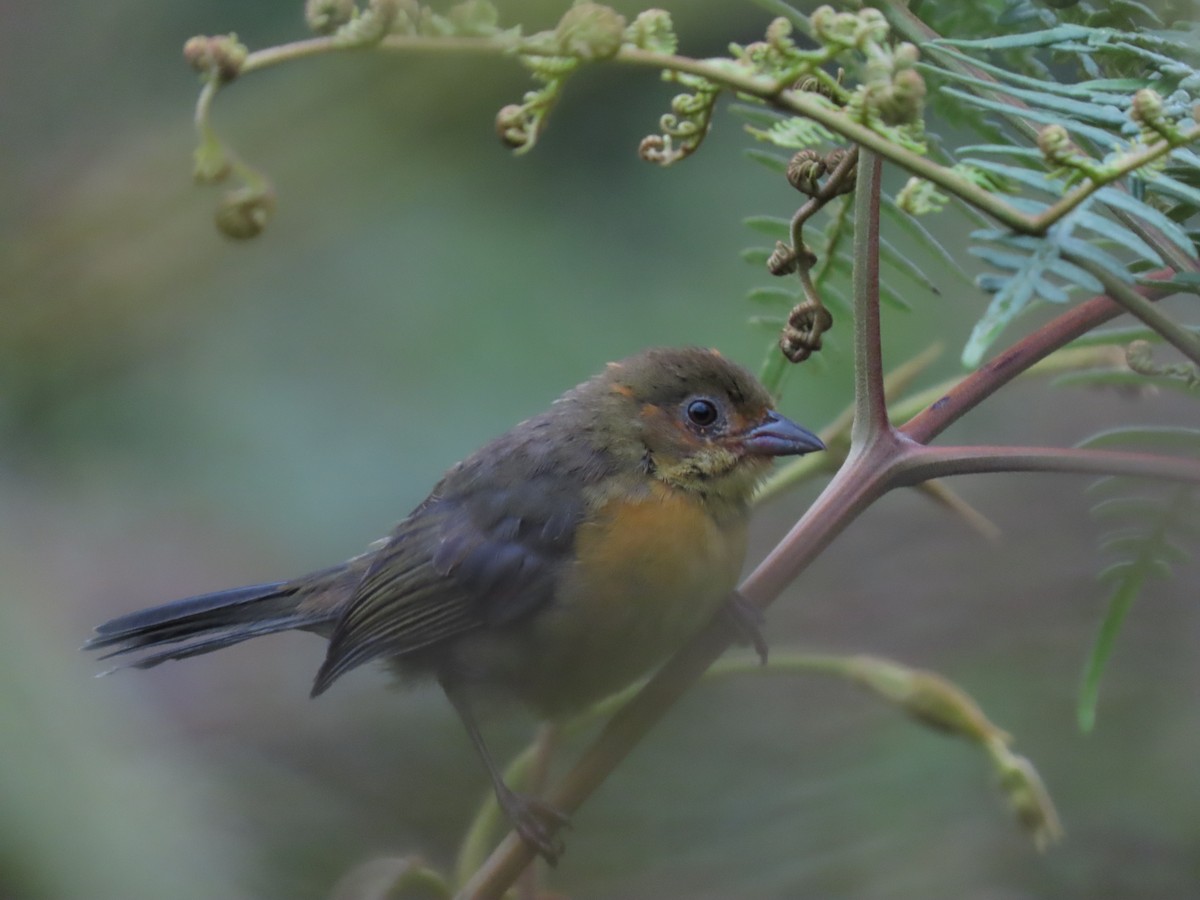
[(555, 566)]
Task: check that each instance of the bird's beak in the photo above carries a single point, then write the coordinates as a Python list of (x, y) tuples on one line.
[(778, 436)]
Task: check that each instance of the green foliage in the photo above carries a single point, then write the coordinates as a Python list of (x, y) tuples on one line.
[(1042, 268), (1120, 117), (790, 132), (1150, 530), (686, 125), (1119, 131), (1052, 137)]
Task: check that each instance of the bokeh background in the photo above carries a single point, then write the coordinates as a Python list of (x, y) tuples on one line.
[(180, 413)]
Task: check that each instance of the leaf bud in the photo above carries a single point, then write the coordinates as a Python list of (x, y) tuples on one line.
[(590, 31), (804, 170), (223, 55), (1029, 799), (512, 126), (245, 212), (327, 16), (653, 30)]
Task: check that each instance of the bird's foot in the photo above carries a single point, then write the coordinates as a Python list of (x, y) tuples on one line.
[(536, 822), (747, 620)]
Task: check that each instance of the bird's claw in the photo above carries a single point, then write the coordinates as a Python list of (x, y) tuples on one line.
[(536, 822), (747, 620)]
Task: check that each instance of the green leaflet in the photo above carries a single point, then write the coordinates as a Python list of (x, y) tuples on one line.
[(1144, 530), (913, 227), (1145, 524), (1148, 214), (1046, 38), (1098, 136), (1031, 178), (1102, 109), (793, 132)]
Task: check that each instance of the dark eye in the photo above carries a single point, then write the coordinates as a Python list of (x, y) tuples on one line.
[(702, 412)]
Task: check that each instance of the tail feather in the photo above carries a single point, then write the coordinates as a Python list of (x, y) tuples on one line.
[(202, 624), (206, 645)]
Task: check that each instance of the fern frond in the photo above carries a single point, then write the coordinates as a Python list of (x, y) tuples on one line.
[(1031, 268), (912, 226), (1148, 214), (1148, 528), (793, 132)]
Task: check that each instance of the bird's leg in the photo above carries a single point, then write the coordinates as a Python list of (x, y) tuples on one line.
[(533, 819), (747, 620)]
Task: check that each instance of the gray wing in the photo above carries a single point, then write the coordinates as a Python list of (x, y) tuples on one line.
[(485, 549)]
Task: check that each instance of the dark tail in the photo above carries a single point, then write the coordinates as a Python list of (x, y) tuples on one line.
[(205, 623)]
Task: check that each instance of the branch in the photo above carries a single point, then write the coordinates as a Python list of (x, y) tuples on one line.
[(1131, 163), (939, 462), (721, 72), (1007, 365), (1183, 339), (870, 406)]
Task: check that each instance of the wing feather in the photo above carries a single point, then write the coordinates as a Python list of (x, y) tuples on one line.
[(472, 555)]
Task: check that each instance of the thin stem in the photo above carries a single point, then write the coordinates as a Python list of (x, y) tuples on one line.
[(812, 106), (940, 462), (870, 407), (773, 91), (1056, 211), (837, 432), (1183, 339), (831, 189), (204, 107), (1010, 363), (776, 365), (273, 56), (721, 72), (858, 484), (1170, 252)]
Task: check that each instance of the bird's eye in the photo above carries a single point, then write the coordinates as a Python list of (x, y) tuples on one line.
[(702, 412)]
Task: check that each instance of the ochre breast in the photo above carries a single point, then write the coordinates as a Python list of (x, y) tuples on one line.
[(663, 544), (649, 573)]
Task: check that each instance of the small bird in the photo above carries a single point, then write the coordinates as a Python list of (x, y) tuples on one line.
[(556, 565)]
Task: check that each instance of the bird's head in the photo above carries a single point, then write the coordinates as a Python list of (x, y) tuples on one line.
[(695, 420)]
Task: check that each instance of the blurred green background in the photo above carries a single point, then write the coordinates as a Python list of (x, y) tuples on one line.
[(181, 413)]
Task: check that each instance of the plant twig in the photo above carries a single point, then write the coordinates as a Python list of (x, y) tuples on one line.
[(1184, 339), (720, 72), (942, 462), (1008, 364), (870, 404)]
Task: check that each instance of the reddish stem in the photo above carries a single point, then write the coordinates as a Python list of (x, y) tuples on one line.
[(940, 462), (870, 404), (1006, 366)]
